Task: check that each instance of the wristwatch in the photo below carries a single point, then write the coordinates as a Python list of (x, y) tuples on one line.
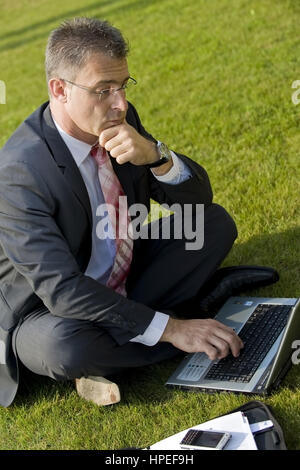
[(164, 155)]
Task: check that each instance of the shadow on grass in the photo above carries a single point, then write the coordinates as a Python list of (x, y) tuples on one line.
[(45, 22), (95, 9), (138, 386), (144, 385)]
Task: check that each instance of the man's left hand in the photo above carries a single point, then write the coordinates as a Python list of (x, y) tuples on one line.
[(125, 144)]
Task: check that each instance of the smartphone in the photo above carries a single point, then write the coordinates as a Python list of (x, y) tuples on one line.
[(209, 440)]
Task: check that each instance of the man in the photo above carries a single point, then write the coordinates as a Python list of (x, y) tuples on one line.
[(74, 303)]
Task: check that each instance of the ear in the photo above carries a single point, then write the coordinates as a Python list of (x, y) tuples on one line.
[(58, 89)]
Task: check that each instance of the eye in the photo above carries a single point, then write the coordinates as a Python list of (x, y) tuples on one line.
[(104, 92)]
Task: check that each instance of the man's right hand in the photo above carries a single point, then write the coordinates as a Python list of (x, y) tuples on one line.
[(207, 335)]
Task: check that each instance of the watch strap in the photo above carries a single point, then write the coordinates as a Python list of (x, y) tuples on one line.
[(159, 162), (164, 153)]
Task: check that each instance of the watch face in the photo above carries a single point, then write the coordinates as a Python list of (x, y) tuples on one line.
[(164, 151)]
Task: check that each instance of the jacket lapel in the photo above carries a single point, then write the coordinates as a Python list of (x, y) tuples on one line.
[(65, 161)]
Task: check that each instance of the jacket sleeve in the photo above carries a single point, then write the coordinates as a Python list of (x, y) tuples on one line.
[(31, 239), (195, 190)]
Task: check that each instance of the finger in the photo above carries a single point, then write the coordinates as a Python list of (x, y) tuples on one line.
[(112, 145), (230, 331), (221, 346), (224, 327), (232, 340), (233, 332), (108, 134), (125, 157), (211, 352), (121, 154), (228, 335)]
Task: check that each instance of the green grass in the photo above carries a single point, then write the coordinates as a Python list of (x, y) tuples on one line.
[(214, 82)]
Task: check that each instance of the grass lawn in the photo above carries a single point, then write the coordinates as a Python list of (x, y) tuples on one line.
[(215, 83)]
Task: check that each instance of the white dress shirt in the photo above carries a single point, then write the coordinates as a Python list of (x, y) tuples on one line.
[(103, 248)]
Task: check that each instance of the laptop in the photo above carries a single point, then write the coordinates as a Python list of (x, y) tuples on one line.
[(268, 327)]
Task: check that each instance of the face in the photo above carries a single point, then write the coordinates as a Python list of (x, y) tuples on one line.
[(83, 114)]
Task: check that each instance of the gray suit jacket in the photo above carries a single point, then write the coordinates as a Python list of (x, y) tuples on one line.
[(45, 235)]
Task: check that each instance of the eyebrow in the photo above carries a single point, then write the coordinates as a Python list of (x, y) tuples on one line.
[(106, 82)]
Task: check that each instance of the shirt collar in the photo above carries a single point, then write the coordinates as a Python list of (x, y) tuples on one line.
[(79, 149)]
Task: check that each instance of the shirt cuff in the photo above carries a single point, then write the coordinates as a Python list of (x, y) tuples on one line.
[(153, 333), (177, 174)]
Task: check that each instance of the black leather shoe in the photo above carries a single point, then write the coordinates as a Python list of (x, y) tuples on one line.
[(231, 281)]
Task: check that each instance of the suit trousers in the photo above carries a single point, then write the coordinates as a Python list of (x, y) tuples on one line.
[(163, 275)]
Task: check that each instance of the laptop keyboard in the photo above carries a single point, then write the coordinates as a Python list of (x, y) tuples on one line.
[(258, 335)]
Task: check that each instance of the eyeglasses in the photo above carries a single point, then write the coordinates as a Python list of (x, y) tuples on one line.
[(104, 94)]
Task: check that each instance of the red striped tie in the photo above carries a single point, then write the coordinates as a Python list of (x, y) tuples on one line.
[(112, 190)]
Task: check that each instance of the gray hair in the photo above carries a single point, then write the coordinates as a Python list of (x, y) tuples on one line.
[(71, 45)]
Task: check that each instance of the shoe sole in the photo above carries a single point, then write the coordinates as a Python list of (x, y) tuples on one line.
[(99, 390)]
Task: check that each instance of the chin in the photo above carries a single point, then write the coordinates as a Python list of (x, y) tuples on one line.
[(107, 125), (91, 136)]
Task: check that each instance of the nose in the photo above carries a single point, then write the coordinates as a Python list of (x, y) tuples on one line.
[(119, 100)]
